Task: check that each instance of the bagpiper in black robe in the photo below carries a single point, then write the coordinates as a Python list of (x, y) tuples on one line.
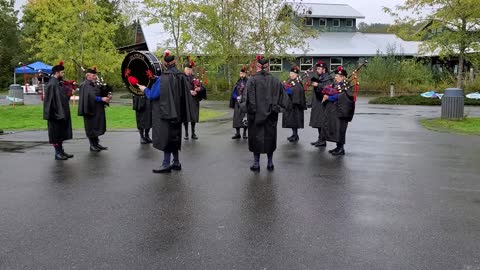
[(339, 110), (56, 110), (170, 110), (194, 105), (265, 99), (143, 116), (238, 113), (92, 108), (345, 112), (318, 109), (294, 117)]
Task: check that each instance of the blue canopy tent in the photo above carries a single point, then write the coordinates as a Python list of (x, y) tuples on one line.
[(32, 68)]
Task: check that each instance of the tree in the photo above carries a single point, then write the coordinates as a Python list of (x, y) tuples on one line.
[(65, 29), (274, 26), (456, 25), (9, 41), (231, 32), (123, 20), (173, 15), (374, 28), (218, 30)]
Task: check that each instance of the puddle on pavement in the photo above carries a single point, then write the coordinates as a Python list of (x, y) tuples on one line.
[(17, 147)]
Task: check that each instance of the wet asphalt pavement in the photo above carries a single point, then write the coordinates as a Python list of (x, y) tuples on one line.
[(402, 198)]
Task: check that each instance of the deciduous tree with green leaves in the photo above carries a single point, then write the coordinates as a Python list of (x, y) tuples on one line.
[(452, 27), (174, 17), (9, 41), (219, 29), (65, 29), (274, 26)]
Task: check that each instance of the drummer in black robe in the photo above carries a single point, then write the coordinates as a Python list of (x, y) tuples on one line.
[(198, 93), (92, 107), (235, 101), (294, 117), (341, 110), (56, 110), (319, 80), (171, 97), (264, 100), (143, 116)]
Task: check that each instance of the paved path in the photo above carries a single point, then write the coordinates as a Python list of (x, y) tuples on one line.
[(402, 198)]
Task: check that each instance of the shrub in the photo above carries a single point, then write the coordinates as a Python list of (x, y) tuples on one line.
[(416, 100)]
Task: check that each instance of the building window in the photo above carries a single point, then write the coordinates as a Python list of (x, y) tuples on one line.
[(335, 63), (308, 21), (275, 65), (305, 63), (336, 22), (349, 23), (322, 22)]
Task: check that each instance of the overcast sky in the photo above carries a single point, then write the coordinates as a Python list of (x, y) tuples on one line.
[(371, 9)]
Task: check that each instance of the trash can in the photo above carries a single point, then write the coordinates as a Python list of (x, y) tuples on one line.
[(15, 94), (453, 104)]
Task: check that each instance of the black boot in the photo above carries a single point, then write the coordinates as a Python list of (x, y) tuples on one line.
[(237, 134), (256, 163), (333, 150), (99, 146), (163, 169), (166, 167), (340, 151), (245, 133), (142, 137), (186, 131), (319, 141), (194, 136), (58, 153), (321, 144), (63, 152), (93, 145), (147, 136)]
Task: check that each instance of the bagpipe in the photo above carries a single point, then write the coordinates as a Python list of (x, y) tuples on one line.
[(352, 81), (347, 83), (199, 74), (301, 79), (105, 89), (70, 87)]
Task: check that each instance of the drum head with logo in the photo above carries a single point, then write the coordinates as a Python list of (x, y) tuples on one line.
[(142, 65)]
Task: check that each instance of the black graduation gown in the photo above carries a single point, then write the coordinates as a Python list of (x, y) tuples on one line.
[(345, 112), (265, 99), (337, 115), (195, 100), (93, 112), (56, 110), (317, 113), (143, 111), (294, 117), (238, 113), (329, 129), (170, 110)]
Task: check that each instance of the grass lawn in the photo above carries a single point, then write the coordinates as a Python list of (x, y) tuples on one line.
[(470, 126), (31, 117)]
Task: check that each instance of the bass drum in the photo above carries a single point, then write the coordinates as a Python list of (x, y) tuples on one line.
[(142, 65)]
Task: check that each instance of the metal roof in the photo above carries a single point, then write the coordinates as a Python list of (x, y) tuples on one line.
[(326, 10), (356, 44)]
